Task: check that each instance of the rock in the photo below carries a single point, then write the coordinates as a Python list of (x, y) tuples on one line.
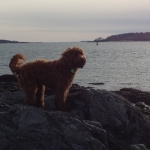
[(94, 120), (26, 127), (138, 147), (11, 99), (9, 86), (99, 83), (4, 107), (8, 78), (134, 95), (140, 98), (120, 118)]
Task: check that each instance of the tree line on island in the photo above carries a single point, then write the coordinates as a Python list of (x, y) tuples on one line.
[(125, 37), (8, 41)]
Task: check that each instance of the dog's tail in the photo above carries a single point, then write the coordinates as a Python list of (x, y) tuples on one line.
[(15, 63)]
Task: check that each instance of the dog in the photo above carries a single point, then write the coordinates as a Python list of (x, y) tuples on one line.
[(57, 75)]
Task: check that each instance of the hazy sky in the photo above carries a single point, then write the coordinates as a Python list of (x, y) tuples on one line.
[(71, 20)]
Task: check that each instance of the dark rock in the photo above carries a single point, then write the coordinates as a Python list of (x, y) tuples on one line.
[(97, 83), (9, 86), (4, 107), (8, 78), (134, 95), (25, 127), (94, 120), (11, 98), (138, 147), (140, 98)]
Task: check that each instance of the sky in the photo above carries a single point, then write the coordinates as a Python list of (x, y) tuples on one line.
[(71, 20)]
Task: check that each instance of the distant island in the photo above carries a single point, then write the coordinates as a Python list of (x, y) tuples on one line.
[(124, 37), (7, 41)]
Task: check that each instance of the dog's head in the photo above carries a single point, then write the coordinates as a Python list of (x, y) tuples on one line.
[(74, 57)]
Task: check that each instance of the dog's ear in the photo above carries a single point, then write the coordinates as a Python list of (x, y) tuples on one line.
[(65, 53), (67, 58)]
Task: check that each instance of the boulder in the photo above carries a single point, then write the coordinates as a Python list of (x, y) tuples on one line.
[(135, 95), (140, 98), (24, 127), (8, 78)]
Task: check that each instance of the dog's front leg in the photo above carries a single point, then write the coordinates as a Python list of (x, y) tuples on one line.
[(40, 96), (60, 99)]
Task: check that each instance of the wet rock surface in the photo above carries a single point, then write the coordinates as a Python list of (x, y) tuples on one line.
[(94, 120)]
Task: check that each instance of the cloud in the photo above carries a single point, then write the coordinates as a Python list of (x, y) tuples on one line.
[(73, 17)]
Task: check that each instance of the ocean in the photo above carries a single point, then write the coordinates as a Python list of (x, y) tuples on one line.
[(114, 65)]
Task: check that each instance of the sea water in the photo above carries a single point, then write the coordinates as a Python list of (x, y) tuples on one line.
[(115, 64)]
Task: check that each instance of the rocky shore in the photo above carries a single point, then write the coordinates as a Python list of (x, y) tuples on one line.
[(95, 120)]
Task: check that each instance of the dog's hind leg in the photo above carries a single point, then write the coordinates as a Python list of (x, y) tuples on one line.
[(30, 89), (40, 96), (31, 95)]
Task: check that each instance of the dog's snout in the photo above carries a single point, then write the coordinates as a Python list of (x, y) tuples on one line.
[(84, 58)]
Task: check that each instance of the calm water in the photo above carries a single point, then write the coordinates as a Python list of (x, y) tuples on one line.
[(116, 64)]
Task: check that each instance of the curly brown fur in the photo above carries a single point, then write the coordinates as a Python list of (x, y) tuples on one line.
[(57, 75), (15, 63)]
